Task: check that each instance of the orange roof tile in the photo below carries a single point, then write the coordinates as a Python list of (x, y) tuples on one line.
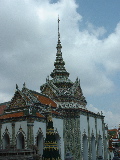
[(113, 129), (2, 107), (45, 100), (19, 114), (39, 115), (54, 112)]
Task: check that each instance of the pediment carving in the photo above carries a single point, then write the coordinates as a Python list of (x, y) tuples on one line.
[(17, 101), (48, 91), (78, 92)]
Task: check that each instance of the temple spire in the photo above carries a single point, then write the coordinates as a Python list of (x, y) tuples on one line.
[(58, 29), (59, 43), (59, 71)]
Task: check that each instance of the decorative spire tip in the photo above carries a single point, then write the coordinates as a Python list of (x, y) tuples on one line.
[(16, 87), (58, 29), (24, 85)]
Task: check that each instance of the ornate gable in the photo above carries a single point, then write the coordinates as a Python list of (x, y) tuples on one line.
[(17, 100), (48, 91), (78, 92), (31, 99)]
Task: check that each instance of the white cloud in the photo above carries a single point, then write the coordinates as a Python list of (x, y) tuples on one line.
[(96, 31), (4, 97), (28, 39)]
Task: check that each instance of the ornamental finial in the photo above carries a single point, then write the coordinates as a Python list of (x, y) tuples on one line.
[(58, 29), (16, 87), (24, 85)]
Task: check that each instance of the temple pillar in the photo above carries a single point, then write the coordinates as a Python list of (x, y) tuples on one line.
[(72, 136), (96, 137), (104, 140), (30, 137), (13, 134), (89, 140)]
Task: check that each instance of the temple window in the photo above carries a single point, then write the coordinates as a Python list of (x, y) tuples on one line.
[(6, 140), (20, 141), (40, 143)]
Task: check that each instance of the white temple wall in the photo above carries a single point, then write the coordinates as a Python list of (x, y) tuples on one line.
[(83, 124), (93, 148), (8, 126), (85, 129), (84, 136), (106, 132), (100, 140), (85, 148), (21, 124), (99, 127), (36, 127), (89, 130), (92, 126), (39, 133)]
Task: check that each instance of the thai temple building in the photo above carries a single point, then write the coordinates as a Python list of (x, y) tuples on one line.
[(114, 142), (53, 124)]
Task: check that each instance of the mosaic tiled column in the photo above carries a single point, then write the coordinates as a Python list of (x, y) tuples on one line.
[(78, 139), (13, 134), (30, 137), (72, 137)]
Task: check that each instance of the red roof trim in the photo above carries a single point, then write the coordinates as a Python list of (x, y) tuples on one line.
[(45, 100), (54, 112), (19, 114), (39, 115)]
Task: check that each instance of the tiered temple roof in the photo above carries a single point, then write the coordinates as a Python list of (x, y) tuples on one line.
[(27, 103), (60, 88)]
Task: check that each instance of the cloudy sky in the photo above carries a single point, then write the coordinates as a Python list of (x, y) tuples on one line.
[(90, 36)]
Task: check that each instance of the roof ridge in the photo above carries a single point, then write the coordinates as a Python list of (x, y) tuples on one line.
[(4, 103), (40, 94)]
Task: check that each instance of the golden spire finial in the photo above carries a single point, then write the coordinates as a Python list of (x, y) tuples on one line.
[(58, 29)]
